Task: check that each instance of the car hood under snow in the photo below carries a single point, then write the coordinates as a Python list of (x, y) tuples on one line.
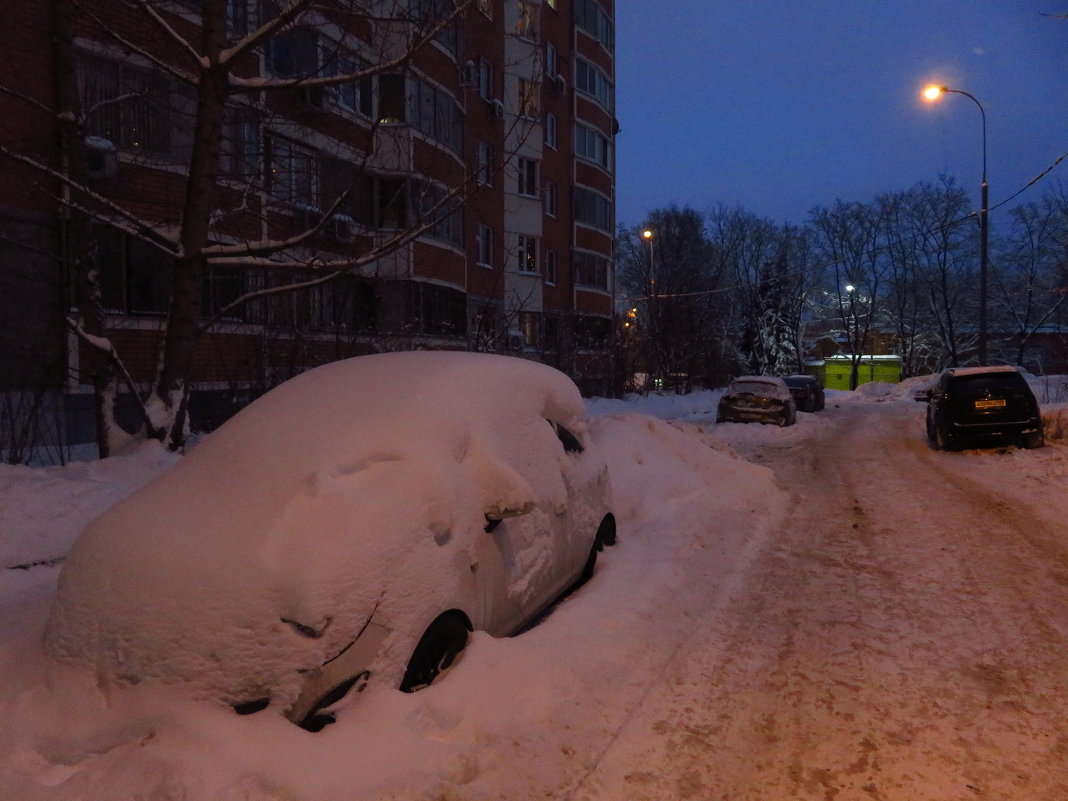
[(267, 548)]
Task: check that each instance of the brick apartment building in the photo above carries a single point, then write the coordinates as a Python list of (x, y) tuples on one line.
[(460, 192)]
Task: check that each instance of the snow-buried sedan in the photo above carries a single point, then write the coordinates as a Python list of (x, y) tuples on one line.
[(353, 525)]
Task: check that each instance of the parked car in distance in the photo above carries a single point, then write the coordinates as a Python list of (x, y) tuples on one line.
[(349, 528), (976, 405), (757, 399), (807, 392)]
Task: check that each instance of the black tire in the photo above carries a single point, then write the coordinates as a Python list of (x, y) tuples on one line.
[(439, 646), (1034, 439), (588, 568)]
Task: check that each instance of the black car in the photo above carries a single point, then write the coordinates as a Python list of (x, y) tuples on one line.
[(807, 392), (982, 404)]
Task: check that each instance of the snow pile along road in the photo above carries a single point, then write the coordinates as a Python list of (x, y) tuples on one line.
[(532, 711)]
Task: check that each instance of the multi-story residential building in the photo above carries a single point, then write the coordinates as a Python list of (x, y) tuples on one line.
[(426, 173)]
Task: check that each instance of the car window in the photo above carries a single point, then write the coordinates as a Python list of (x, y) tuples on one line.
[(983, 382), (567, 439), (753, 387)]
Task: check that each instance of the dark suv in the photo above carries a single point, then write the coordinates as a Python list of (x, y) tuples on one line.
[(978, 404)]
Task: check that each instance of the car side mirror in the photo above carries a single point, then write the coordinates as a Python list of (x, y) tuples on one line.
[(495, 515), (923, 395)]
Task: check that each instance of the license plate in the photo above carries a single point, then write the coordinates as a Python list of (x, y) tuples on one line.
[(990, 404)]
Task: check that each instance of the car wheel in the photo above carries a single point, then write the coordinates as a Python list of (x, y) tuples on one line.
[(439, 646), (1034, 439), (941, 441)]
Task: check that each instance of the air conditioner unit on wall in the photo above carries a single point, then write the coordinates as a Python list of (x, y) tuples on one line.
[(101, 159), (515, 340), (559, 84), (498, 108)]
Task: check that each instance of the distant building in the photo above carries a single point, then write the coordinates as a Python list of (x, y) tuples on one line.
[(514, 100)]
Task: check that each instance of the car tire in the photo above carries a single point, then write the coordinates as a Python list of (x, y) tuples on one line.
[(1034, 439), (438, 648), (941, 441)]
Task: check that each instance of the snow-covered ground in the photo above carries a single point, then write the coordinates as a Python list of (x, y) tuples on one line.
[(531, 716)]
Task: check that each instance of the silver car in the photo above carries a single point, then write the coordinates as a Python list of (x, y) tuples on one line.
[(352, 526), (757, 399)]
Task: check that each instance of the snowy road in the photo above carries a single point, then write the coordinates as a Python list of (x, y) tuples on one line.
[(901, 637)]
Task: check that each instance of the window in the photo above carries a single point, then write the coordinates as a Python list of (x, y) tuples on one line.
[(292, 174), (241, 147), (443, 213), (355, 95), (591, 18), (549, 198), (432, 13), (436, 114), (550, 267), (592, 145), (593, 208), (485, 164), (134, 276), (392, 208), (342, 180), (528, 177), (527, 253), (552, 67), (528, 324), (527, 25), (437, 309), (591, 270), (392, 103), (591, 81), (550, 131), (528, 98), (137, 109), (485, 79), (485, 245), (293, 54)]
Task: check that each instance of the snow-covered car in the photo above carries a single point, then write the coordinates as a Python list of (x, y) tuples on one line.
[(757, 399), (982, 404), (353, 525)]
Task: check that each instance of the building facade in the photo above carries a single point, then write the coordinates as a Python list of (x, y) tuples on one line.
[(382, 175)]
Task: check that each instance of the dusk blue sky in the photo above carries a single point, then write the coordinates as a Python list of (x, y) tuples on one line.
[(779, 106)]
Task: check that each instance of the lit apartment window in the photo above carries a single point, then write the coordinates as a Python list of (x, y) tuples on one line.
[(527, 252), (549, 198), (527, 24), (528, 177), (485, 245)]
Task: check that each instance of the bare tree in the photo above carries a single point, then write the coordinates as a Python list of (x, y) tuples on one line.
[(217, 100), (673, 278)]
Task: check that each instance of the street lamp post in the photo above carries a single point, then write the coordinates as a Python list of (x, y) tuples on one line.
[(654, 366), (933, 93)]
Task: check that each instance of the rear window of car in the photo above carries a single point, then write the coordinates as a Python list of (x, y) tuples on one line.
[(754, 387), (982, 382)]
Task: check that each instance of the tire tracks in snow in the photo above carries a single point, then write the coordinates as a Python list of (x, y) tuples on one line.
[(900, 638)]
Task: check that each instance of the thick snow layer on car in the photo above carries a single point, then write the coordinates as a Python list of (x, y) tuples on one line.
[(263, 552), (764, 386)]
